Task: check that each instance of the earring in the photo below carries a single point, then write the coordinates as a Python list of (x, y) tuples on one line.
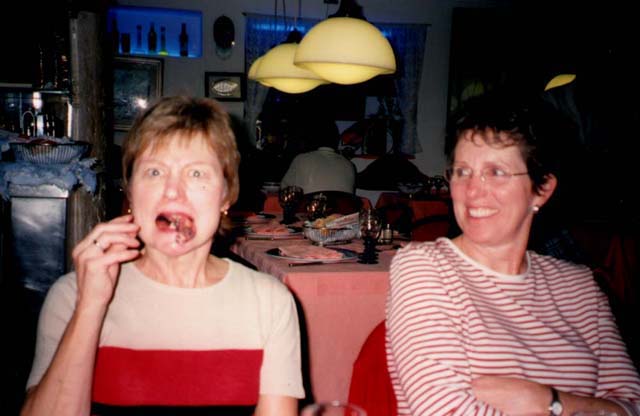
[(225, 212), (128, 210), (535, 209)]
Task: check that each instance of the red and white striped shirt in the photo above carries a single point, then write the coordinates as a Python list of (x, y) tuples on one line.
[(451, 320)]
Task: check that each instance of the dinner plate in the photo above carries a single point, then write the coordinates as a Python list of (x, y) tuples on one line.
[(293, 231), (346, 255), (259, 218)]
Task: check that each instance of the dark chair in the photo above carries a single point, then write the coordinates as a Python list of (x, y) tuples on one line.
[(337, 202), (371, 386), (431, 227)]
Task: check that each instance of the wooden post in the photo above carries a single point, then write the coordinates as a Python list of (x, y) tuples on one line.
[(88, 121)]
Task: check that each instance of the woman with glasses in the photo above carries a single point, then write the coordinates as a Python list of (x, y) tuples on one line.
[(478, 324)]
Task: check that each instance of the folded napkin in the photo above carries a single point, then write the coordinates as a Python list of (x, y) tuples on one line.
[(310, 252)]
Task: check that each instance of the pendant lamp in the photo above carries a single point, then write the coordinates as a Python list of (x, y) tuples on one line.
[(345, 48), (560, 80), (278, 71), (253, 70)]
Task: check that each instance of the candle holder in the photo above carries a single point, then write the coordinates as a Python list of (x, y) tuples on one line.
[(289, 198), (370, 226)]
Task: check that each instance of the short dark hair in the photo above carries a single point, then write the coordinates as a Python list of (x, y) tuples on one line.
[(502, 121)]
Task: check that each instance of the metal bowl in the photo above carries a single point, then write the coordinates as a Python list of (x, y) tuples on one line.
[(323, 236), (49, 152)]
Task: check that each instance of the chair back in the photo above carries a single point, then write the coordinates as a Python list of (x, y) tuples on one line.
[(371, 386), (431, 227)]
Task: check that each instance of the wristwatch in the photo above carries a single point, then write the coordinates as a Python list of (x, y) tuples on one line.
[(555, 407)]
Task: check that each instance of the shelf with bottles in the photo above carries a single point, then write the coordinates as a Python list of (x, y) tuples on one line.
[(155, 31)]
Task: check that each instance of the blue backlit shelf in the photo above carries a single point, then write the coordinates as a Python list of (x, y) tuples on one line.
[(128, 18)]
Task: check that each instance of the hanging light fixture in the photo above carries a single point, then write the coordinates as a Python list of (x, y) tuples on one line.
[(276, 69), (345, 48), (254, 69), (560, 80)]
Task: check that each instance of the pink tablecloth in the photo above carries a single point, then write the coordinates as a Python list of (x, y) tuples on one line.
[(341, 303)]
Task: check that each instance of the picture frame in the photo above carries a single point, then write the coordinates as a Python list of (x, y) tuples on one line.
[(225, 86), (137, 82)]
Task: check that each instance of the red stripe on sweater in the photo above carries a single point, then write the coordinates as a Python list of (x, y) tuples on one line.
[(126, 377)]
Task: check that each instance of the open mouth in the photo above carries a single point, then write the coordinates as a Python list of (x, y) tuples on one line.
[(181, 224)]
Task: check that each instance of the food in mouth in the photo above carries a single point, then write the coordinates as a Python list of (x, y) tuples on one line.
[(181, 224)]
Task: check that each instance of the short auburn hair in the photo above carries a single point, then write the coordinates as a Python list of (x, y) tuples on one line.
[(186, 117)]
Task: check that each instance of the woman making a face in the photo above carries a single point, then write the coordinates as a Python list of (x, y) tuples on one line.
[(150, 320)]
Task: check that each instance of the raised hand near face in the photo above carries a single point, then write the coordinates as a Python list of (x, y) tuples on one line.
[(98, 256)]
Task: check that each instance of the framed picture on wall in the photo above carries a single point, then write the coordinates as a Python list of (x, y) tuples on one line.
[(225, 86), (137, 82)]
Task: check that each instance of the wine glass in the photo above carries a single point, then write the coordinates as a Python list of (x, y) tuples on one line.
[(317, 207), (370, 227), (289, 197), (334, 408)]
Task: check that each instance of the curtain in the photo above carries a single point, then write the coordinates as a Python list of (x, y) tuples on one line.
[(408, 41), (261, 34)]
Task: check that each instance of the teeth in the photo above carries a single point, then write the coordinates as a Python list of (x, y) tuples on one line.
[(481, 212)]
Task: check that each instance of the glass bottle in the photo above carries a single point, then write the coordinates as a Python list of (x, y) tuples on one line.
[(152, 39), (139, 38), (184, 41), (115, 36), (163, 40)]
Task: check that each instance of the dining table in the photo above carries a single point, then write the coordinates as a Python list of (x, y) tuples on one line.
[(339, 303)]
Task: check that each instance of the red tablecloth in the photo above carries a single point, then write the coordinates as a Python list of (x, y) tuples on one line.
[(341, 303)]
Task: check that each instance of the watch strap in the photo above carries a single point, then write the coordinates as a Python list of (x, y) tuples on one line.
[(555, 407)]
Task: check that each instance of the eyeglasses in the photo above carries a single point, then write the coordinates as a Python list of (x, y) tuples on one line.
[(491, 175)]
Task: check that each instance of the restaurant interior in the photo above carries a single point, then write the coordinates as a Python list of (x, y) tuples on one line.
[(80, 71)]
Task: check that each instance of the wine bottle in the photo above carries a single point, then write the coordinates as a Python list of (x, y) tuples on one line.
[(152, 39), (163, 41), (115, 36), (139, 38), (184, 41)]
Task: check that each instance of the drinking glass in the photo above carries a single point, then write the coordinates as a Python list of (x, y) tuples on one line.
[(317, 207), (289, 197), (334, 408), (370, 227)]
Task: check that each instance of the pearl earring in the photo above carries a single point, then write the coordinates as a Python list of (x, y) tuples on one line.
[(535, 209)]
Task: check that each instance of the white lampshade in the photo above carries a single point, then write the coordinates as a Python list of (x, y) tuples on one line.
[(276, 69), (345, 50), (560, 80)]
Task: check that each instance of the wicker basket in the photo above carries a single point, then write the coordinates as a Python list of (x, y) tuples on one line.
[(323, 236), (49, 153)]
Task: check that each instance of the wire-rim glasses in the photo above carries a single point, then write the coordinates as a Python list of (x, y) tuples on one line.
[(489, 175)]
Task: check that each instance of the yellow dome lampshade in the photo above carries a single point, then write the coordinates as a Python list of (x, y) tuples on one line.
[(560, 80), (254, 69), (345, 50), (276, 69)]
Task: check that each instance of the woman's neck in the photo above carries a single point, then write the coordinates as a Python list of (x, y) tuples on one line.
[(506, 259), (195, 269)]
